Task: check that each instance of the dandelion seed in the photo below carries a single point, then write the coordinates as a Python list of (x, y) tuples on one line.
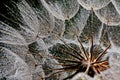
[(86, 60)]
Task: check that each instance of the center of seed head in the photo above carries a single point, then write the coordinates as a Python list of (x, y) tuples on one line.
[(87, 62)]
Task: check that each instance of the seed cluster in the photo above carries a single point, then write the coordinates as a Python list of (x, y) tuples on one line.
[(83, 60)]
